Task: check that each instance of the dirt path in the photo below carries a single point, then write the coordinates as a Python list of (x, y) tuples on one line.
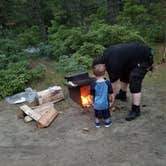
[(138, 143)]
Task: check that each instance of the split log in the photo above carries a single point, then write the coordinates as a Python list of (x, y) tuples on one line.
[(47, 118), (43, 114), (27, 119), (32, 113), (53, 94)]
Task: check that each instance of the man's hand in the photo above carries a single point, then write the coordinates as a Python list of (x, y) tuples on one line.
[(112, 100)]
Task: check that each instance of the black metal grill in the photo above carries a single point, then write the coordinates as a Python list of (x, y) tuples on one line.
[(83, 81)]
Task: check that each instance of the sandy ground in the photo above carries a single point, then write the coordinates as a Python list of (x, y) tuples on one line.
[(141, 142)]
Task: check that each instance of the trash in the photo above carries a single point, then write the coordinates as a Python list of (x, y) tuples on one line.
[(86, 129), (32, 50), (23, 99), (28, 96)]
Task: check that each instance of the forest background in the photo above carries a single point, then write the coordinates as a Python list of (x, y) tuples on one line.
[(43, 40)]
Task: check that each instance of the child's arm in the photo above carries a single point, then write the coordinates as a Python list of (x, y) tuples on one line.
[(91, 99), (92, 92)]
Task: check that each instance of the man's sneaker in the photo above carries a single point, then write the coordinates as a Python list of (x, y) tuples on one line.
[(121, 95), (108, 124), (132, 115), (97, 124)]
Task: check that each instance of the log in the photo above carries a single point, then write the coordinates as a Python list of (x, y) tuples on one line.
[(47, 118), (43, 114), (54, 95), (27, 119), (28, 111)]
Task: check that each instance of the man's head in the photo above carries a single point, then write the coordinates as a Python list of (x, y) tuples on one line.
[(99, 70)]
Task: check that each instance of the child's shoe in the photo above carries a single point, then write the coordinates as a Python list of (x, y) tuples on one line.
[(97, 124), (107, 124)]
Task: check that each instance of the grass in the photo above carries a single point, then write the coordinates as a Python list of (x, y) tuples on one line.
[(52, 77)]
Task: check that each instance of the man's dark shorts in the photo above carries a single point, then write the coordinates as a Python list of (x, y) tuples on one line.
[(102, 114), (133, 77)]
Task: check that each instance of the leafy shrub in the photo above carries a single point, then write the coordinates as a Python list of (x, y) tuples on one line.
[(65, 41), (16, 76), (90, 49), (45, 49), (9, 46), (147, 19), (68, 64), (107, 35), (30, 37), (82, 45)]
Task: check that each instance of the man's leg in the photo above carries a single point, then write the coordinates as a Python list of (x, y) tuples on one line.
[(136, 78), (136, 98), (114, 87), (122, 94), (123, 86)]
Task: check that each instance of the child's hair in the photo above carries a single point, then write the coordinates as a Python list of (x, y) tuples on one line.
[(99, 70)]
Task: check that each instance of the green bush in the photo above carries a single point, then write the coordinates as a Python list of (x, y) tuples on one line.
[(69, 65), (65, 41), (90, 49), (147, 19), (9, 46), (107, 35), (45, 49), (30, 37), (81, 45), (16, 76)]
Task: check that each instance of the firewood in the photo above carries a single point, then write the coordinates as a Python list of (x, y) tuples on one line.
[(44, 114), (27, 119), (47, 118), (54, 94), (28, 111)]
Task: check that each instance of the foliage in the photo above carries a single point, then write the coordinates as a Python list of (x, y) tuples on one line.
[(9, 46), (15, 71), (30, 37), (45, 49), (68, 64), (147, 19), (78, 32), (16, 76), (65, 41), (90, 49)]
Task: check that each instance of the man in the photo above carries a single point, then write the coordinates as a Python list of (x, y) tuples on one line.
[(128, 62)]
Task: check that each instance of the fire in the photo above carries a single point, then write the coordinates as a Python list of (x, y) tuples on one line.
[(85, 96), (86, 101)]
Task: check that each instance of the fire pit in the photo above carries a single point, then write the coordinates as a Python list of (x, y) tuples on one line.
[(79, 88)]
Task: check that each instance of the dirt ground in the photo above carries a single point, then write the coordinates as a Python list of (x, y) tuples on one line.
[(141, 142)]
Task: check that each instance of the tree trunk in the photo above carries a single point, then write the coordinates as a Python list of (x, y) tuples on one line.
[(36, 8), (112, 7), (164, 55)]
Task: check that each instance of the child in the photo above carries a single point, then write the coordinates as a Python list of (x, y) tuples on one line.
[(102, 96)]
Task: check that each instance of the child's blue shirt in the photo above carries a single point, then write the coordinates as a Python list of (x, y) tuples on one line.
[(100, 92)]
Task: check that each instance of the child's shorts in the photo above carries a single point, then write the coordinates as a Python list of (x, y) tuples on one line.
[(102, 114)]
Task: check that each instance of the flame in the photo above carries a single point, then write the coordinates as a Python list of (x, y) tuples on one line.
[(86, 101)]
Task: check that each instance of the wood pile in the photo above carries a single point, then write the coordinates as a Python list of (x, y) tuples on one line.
[(44, 112)]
